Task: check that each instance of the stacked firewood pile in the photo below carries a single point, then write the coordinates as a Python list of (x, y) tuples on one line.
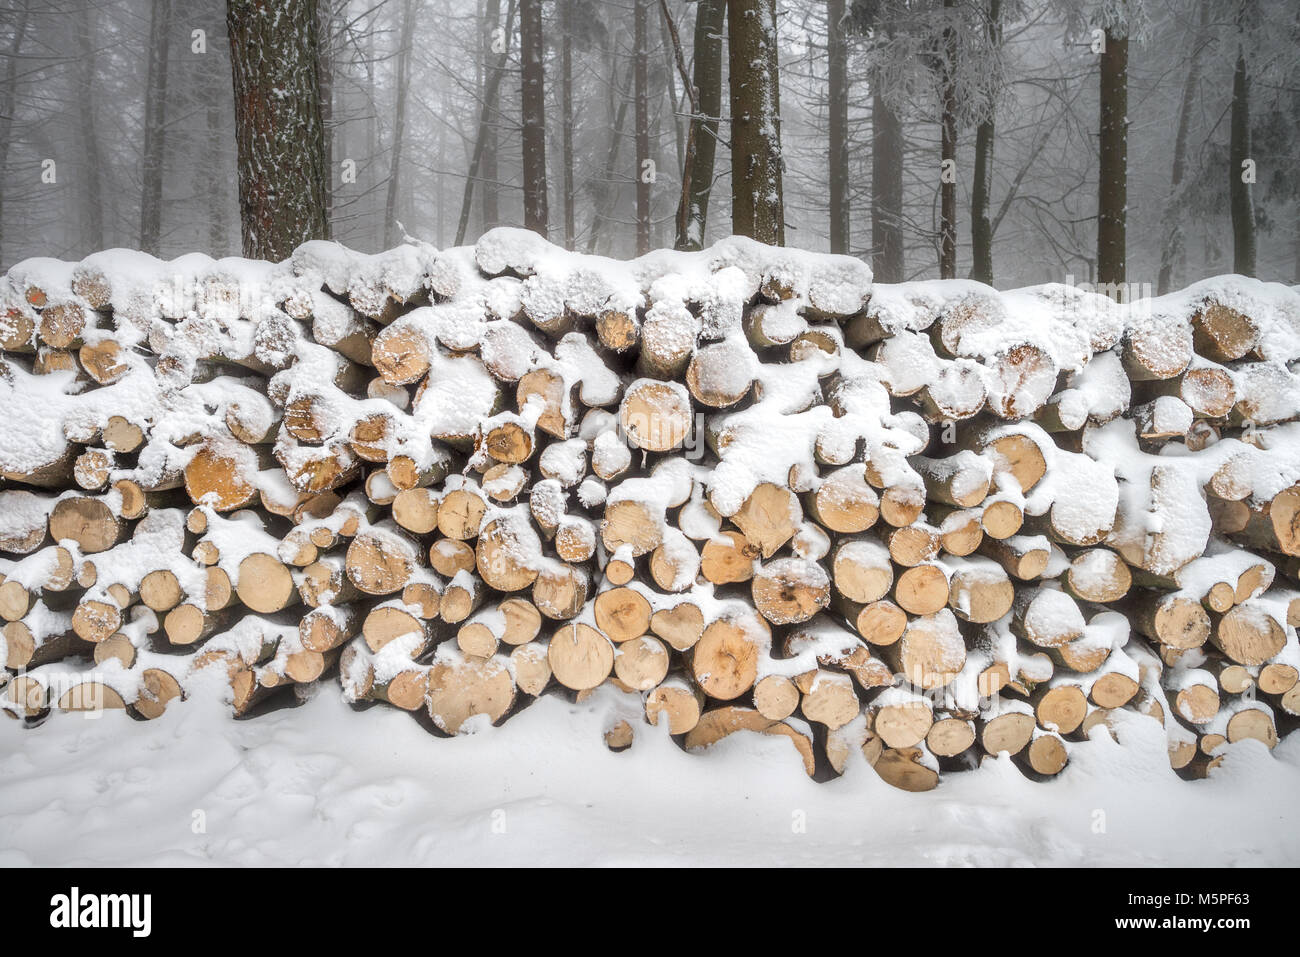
[(744, 490)]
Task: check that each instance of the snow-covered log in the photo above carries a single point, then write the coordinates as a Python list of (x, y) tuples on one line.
[(932, 521)]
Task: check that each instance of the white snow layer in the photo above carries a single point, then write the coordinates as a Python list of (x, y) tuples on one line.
[(324, 785)]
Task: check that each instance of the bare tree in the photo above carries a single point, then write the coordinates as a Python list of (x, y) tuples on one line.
[(533, 114), (155, 127), (757, 203), (279, 133), (483, 162), (216, 195), (981, 227), (1112, 180), (702, 138), (876, 19), (486, 144), (887, 162), (641, 94), (837, 57), (87, 122), (399, 121), (566, 109), (670, 48), (1239, 157), (1172, 249), (948, 126), (8, 96), (325, 69)]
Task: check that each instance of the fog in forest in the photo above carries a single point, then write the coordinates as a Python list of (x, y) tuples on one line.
[(118, 128)]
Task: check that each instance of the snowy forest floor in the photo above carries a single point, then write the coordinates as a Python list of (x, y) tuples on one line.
[(319, 784)]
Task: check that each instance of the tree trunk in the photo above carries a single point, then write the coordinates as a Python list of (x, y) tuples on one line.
[(641, 92), (442, 164), (93, 164), (948, 122), (278, 129), (674, 104), (691, 96), (533, 114), (693, 216), (566, 104), (1112, 186), (837, 54), (371, 125), (10, 96), (657, 153), (1171, 253), (981, 229), (155, 119), (325, 79), (216, 194), (487, 169), (216, 108), (757, 207), (399, 124), (1243, 210), (886, 191)]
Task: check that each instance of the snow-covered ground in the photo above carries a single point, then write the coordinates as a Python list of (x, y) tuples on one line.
[(321, 784)]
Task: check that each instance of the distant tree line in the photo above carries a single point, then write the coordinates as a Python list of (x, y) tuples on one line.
[(1009, 140)]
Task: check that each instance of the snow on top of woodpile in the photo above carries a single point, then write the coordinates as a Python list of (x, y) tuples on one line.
[(1055, 316), (470, 325)]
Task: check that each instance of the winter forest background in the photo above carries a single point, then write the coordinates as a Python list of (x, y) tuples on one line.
[(118, 128)]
